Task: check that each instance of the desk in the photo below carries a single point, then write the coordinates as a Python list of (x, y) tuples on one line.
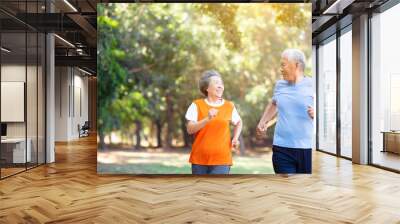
[(16, 151), (391, 141)]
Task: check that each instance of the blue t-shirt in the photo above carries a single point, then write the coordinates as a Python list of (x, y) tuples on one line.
[(294, 127)]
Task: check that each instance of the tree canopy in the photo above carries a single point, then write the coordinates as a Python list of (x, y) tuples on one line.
[(150, 57)]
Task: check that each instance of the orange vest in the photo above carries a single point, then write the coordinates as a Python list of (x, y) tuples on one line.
[(212, 143)]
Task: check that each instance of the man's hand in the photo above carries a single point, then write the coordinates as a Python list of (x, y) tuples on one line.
[(261, 129), (310, 112), (212, 113)]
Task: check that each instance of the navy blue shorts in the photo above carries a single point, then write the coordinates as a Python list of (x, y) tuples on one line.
[(291, 160)]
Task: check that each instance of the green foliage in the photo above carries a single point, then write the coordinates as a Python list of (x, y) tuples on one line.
[(225, 16), (288, 15), (107, 22), (130, 108), (150, 57)]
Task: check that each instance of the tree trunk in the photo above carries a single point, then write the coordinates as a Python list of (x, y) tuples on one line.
[(159, 131), (251, 138), (186, 136), (170, 120), (138, 130), (101, 139)]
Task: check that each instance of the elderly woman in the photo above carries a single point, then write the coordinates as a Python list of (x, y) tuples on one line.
[(292, 101), (209, 119)]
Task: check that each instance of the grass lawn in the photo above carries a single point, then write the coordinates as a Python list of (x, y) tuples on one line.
[(142, 162)]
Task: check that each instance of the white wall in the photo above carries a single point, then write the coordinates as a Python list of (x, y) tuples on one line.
[(80, 100), (12, 73), (71, 87), (61, 103), (12, 101), (34, 124)]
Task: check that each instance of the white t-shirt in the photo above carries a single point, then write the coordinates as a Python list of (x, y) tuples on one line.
[(191, 113)]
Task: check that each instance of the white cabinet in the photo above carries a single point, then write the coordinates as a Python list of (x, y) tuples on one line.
[(18, 149)]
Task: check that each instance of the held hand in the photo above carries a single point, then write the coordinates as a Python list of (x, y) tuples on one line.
[(261, 129), (235, 145), (212, 113), (310, 112)]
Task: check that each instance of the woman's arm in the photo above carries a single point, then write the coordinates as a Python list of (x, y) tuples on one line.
[(236, 133), (193, 127), (237, 130)]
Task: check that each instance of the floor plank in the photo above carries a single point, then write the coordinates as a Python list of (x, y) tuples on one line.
[(70, 191)]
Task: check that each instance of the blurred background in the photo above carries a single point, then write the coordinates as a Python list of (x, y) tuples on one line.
[(149, 60)]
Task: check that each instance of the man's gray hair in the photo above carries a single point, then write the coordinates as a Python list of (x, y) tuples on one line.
[(295, 55), (205, 79)]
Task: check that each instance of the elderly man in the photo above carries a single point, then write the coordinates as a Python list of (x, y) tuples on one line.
[(292, 102)]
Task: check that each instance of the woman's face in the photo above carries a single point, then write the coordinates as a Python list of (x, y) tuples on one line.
[(216, 87)]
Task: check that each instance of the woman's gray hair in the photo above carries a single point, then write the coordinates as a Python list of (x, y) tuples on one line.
[(295, 55), (205, 79)]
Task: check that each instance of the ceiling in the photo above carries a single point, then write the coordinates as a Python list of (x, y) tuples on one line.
[(328, 16), (75, 23)]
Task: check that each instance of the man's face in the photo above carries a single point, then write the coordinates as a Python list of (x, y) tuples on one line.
[(288, 69)]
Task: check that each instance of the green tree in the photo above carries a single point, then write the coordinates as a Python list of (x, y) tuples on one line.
[(152, 55)]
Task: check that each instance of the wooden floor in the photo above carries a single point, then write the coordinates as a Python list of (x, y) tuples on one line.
[(70, 191), (10, 171), (387, 159)]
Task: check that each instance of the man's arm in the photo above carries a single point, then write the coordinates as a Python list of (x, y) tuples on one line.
[(310, 111), (269, 113)]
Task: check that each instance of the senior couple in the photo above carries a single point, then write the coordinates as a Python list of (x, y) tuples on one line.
[(209, 120)]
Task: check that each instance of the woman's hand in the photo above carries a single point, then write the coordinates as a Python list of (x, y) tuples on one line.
[(212, 113), (261, 129), (235, 145)]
